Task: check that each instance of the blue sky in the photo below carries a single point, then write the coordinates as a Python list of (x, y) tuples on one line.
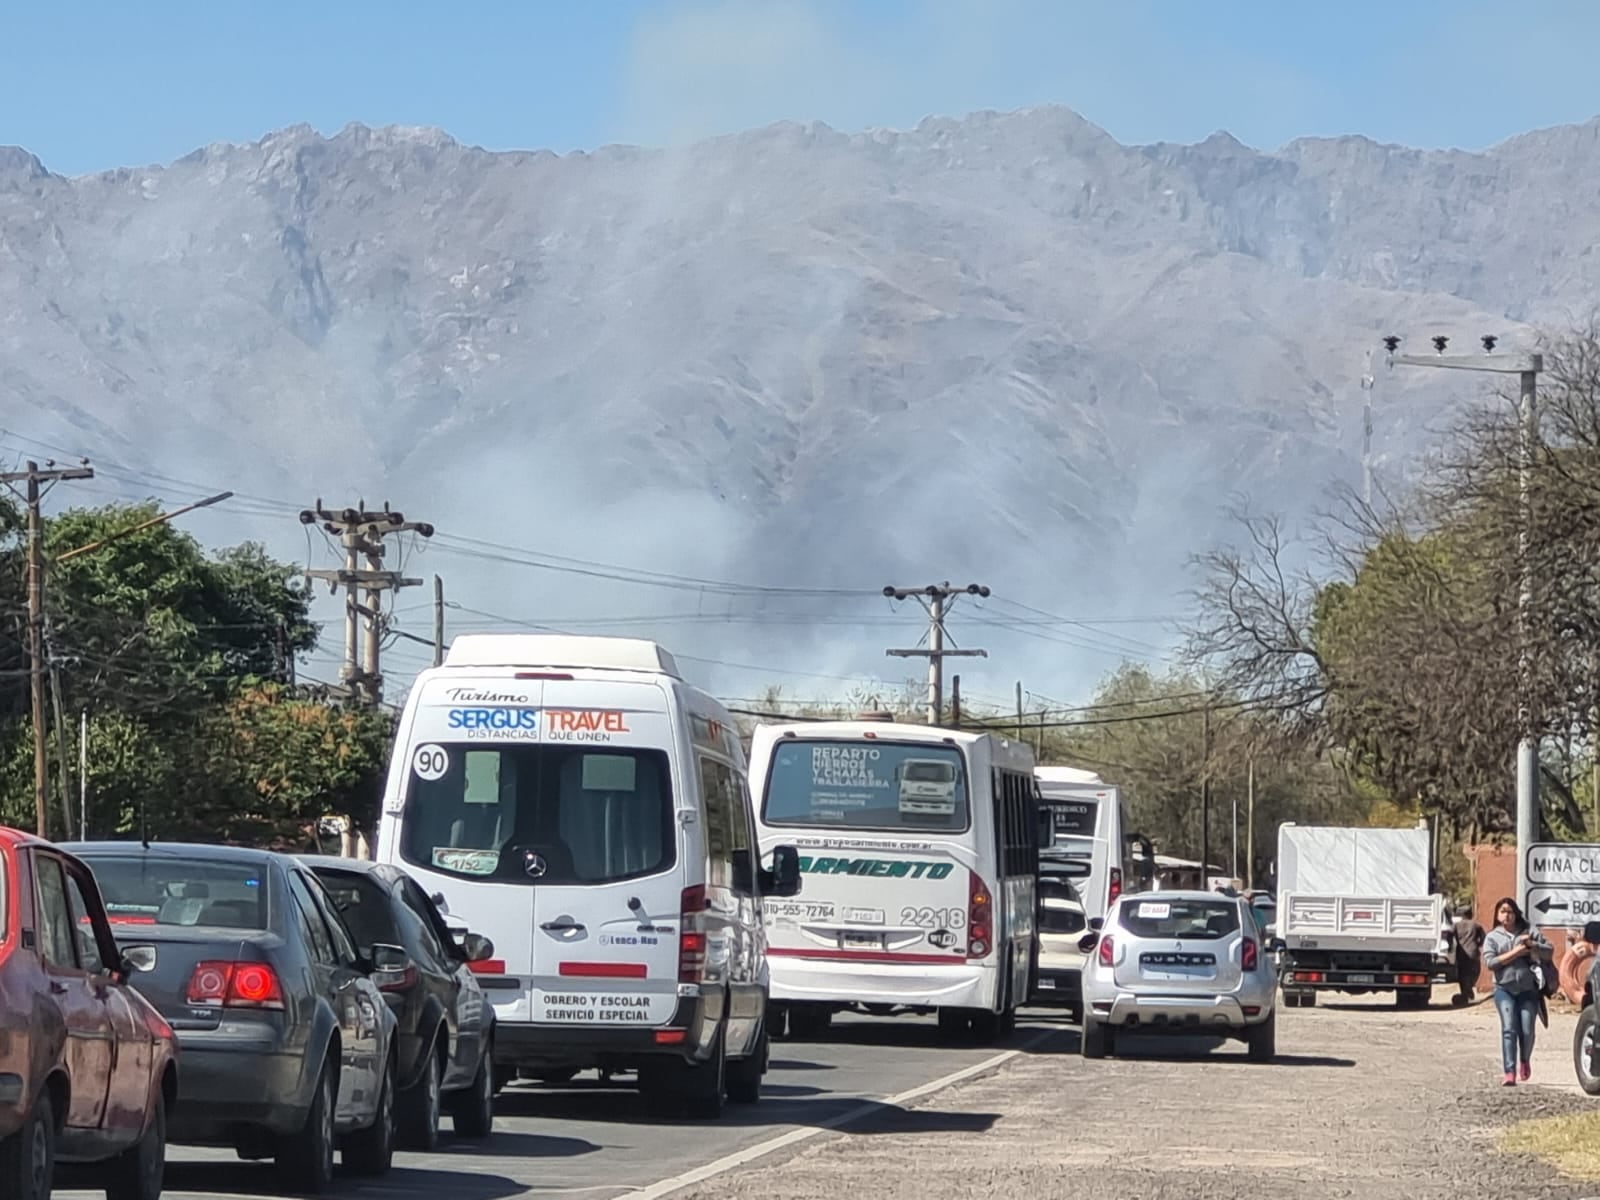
[(93, 85)]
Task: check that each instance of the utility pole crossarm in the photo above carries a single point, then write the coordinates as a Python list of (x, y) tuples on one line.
[(937, 653), (1494, 364)]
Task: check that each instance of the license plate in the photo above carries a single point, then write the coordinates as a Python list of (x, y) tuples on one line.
[(868, 940), (1047, 985), (1361, 979)]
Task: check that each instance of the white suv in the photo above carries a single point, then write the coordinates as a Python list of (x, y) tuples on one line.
[(1178, 963)]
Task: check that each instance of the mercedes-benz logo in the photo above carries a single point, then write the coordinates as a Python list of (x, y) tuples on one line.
[(533, 865)]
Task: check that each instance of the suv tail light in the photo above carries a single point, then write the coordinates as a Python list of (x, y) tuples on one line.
[(692, 936), (1105, 950), (980, 918), (1250, 955), (1115, 888), (221, 984)]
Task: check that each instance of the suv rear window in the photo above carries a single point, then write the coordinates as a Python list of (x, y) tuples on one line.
[(503, 812), (1193, 919), (166, 890), (363, 903)]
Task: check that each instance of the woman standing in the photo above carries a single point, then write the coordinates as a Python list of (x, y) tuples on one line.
[(1510, 951)]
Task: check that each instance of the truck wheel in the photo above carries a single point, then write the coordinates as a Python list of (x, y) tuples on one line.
[(1291, 999), (1583, 1051), (1308, 999)]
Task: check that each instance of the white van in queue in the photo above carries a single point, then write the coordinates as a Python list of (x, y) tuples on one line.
[(580, 804), (914, 902)]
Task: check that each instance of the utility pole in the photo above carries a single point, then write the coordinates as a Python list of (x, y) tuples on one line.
[(935, 598), (1019, 710), (438, 621), (83, 775), (955, 702), (1250, 823), (1205, 793), (1368, 382), (32, 496), (361, 532), (1527, 369)]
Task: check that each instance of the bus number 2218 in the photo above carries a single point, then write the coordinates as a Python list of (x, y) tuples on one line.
[(933, 918)]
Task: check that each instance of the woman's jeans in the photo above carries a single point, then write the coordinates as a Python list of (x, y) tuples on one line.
[(1518, 1012)]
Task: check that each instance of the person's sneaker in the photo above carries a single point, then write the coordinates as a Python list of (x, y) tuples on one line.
[(1511, 1079), (1526, 1071)]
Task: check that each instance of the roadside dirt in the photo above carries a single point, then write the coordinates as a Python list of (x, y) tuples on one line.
[(1364, 1102)]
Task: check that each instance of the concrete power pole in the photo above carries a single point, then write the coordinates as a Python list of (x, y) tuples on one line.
[(1526, 368), (32, 496), (438, 621), (361, 532), (935, 598)]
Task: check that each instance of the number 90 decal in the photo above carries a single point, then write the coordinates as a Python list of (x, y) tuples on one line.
[(430, 762), (934, 918)]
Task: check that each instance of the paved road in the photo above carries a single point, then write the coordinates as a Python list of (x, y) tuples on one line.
[(594, 1143)]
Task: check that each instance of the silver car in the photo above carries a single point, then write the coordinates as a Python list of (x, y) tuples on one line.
[(1178, 963)]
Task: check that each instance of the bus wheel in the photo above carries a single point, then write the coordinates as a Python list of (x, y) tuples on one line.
[(809, 1021), (954, 1023)]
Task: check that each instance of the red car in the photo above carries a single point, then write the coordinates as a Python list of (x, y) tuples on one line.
[(88, 1069)]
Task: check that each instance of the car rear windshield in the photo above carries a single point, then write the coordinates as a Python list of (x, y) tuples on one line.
[(1186, 919), (363, 902), (540, 814), (158, 889), (857, 784)]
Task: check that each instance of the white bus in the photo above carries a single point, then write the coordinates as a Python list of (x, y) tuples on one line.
[(1093, 844), (909, 905), (577, 801)]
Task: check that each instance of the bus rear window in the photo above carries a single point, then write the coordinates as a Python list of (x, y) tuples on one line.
[(859, 784)]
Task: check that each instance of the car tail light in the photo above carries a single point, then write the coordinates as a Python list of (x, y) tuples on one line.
[(1249, 955), (980, 918), (398, 981), (1115, 889), (692, 936), (1105, 950), (221, 984)]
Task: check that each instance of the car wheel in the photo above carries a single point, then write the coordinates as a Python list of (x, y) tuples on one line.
[(1096, 1041), (1262, 1040), (370, 1151), (473, 1109), (28, 1157), (137, 1173), (420, 1105), (1583, 1048), (744, 1074), (305, 1159)]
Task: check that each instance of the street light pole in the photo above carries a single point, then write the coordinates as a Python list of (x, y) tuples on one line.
[(1527, 369)]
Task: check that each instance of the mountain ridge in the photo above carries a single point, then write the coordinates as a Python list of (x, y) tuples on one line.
[(1002, 345)]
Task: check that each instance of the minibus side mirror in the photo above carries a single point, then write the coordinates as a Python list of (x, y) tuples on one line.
[(784, 878)]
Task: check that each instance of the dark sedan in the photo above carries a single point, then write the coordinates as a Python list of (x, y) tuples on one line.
[(445, 1027), (288, 1047)]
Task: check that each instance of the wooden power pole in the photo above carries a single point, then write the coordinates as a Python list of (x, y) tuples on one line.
[(361, 532), (935, 598), (33, 495)]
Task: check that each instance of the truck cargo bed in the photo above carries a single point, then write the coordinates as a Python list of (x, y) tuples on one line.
[(1406, 924)]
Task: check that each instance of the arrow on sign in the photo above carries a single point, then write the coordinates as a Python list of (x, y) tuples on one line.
[(1547, 904)]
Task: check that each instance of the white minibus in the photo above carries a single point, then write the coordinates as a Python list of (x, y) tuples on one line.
[(912, 903), (576, 801)]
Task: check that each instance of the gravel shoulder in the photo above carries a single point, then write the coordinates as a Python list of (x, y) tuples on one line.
[(1365, 1101)]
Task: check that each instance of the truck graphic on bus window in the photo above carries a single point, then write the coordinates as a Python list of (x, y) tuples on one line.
[(927, 787)]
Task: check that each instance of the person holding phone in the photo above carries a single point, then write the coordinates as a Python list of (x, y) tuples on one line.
[(1510, 951)]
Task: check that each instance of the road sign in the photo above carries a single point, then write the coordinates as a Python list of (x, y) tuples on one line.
[(1563, 864), (1561, 906)]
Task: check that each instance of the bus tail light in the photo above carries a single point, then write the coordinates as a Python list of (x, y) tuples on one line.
[(980, 918), (1115, 888), (692, 936)]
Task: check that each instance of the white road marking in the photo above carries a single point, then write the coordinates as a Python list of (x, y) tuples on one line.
[(739, 1158)]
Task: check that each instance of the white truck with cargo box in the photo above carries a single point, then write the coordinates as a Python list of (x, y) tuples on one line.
[(1358, 913)]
